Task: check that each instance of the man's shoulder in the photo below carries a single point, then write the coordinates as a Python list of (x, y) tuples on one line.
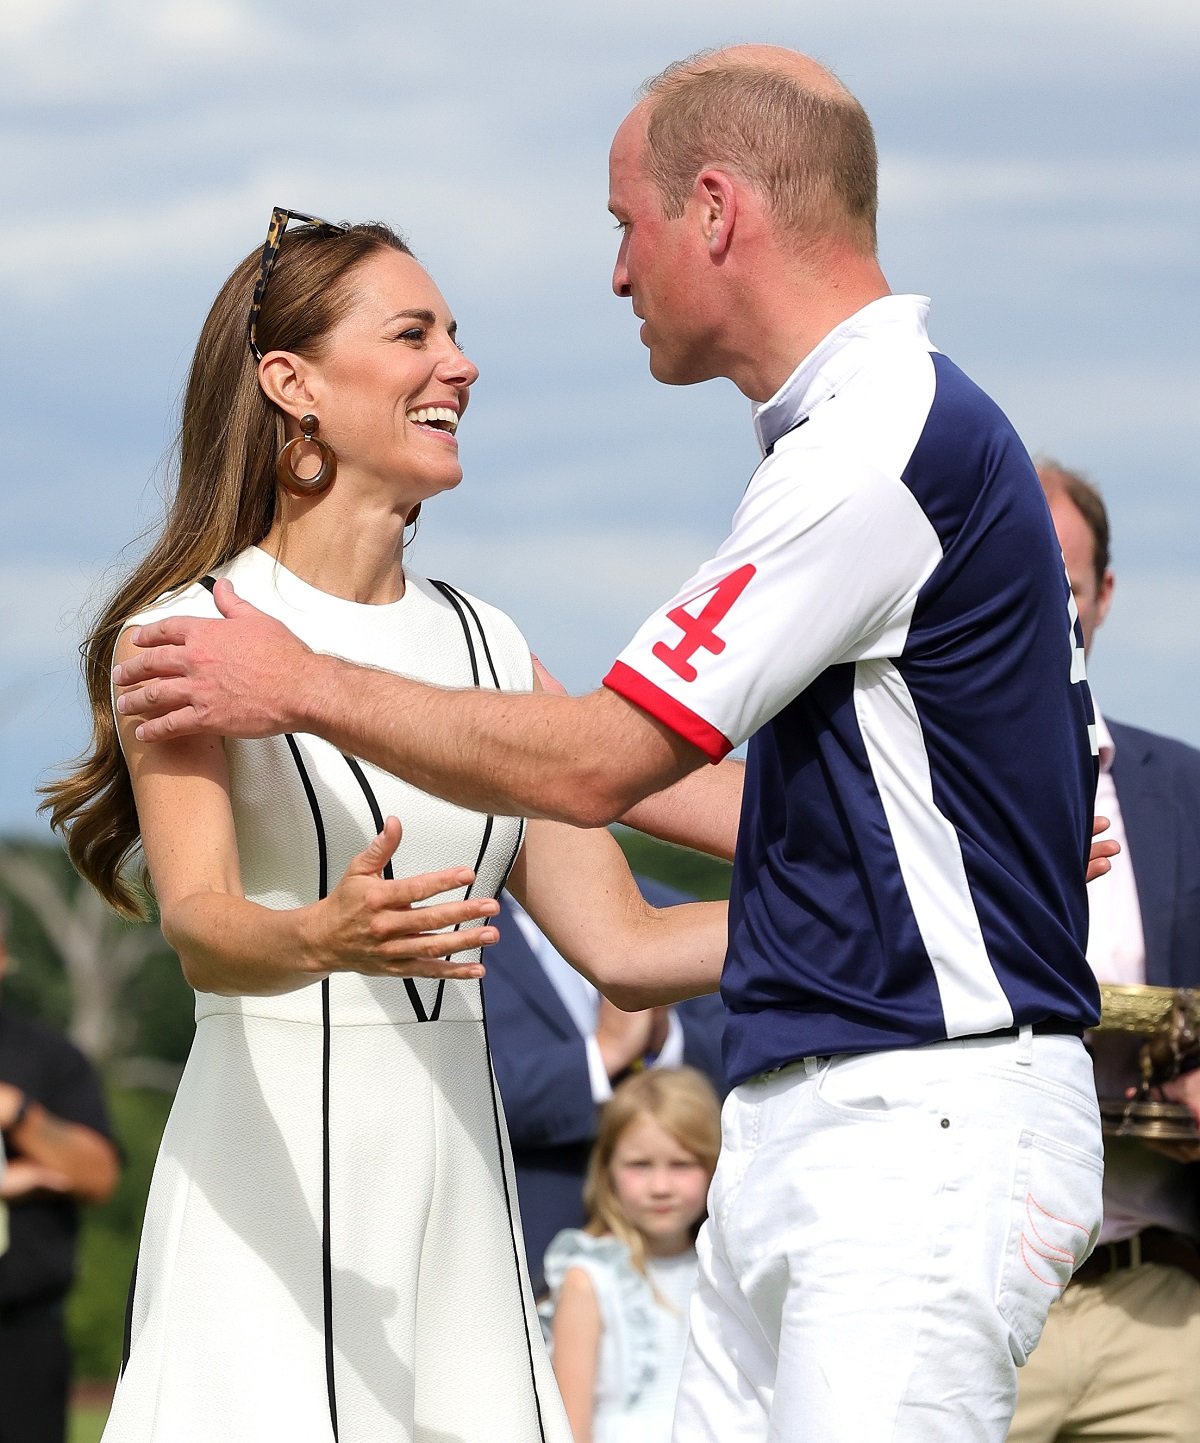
[(40, 1039), (1143, 744), (1141, 738)]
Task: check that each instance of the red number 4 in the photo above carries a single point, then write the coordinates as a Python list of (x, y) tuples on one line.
[(701, 631)]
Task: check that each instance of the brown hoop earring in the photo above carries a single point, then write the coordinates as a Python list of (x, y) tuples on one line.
[(306, 485), (413, 516)]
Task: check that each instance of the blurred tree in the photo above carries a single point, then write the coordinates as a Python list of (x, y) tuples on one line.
[(698, 876), (109, 1242), (113, 986)]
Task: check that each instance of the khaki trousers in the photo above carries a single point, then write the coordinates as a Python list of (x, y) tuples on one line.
[(1119, 1360)]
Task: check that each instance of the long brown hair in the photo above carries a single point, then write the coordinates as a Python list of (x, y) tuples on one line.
[(682, 1101), (224, 500)]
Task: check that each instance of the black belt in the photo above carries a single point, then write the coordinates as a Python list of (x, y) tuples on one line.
[(1151, 1245), (1048, 1027)]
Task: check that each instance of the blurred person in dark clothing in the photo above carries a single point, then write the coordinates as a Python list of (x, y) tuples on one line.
[(60, 1153)]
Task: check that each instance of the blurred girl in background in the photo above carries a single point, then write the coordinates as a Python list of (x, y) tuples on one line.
[(620, 1286)]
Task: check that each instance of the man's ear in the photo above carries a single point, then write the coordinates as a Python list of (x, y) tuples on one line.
[(1104, 596), (288, 381), (715, 197)]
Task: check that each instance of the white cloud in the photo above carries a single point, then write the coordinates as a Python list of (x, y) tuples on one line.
[(48, 258), (73, 52), (216, 26), (912, 183), (1103, 392), (26, 22), (54, 254), (1153, 618)]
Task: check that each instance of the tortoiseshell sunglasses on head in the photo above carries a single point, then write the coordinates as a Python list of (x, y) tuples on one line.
[(270, 252)]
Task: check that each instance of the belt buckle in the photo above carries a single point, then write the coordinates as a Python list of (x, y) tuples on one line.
[(1126, 1253)]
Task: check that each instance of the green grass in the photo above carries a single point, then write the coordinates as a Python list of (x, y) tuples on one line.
[(87, 1423)]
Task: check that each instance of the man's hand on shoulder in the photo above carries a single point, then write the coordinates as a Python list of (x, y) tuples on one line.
[(243, 676)]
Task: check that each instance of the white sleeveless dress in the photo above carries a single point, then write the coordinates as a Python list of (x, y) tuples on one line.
[(331, 1247), (644, 1334)]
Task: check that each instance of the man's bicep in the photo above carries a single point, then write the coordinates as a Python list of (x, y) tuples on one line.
[(814, 573)]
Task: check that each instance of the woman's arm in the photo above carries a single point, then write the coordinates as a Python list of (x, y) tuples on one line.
[(577, 886), (576, 1350), (229, 945), (700, 811)]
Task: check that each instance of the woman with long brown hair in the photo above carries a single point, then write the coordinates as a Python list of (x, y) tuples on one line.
[(330, 1249)]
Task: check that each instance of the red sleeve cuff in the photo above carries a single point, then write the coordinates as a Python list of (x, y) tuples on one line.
[(664, 708)]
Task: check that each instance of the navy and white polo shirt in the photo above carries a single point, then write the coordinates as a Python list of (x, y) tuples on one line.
[(889, 623)]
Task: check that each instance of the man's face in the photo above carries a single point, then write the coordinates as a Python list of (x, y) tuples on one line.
[(657, 265), (1092, 597)]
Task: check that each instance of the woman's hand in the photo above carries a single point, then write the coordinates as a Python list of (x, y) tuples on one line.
[(545, 681), (371, 924)]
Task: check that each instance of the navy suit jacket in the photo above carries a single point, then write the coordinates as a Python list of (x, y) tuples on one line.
[(541, 1068), (1158, 785)]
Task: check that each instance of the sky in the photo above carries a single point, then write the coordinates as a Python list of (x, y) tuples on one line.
[(1040, 180)]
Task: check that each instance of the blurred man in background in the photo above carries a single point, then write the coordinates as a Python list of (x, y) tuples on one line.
[(60, 1153), (1120, 1356)]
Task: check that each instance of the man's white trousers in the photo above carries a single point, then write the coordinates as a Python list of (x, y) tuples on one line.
[(886, 1233)]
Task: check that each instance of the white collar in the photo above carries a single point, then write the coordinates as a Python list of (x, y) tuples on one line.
[(1104, 740), (828, 366)]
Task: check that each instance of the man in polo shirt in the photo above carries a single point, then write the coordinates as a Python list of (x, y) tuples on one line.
[(911, 1157)]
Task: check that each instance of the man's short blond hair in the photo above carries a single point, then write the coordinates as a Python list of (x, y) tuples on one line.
[(810, 154)]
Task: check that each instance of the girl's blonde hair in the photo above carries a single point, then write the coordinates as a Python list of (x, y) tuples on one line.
[(225, 499), (682, 1101)]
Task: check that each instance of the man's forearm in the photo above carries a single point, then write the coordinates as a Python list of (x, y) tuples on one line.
[(84, 1159), (581, 760)]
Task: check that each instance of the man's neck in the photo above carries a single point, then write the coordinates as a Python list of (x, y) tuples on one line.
[(787, 320)]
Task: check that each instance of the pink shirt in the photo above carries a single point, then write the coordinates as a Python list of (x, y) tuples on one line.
[(1142, 1188), (1116, 946)]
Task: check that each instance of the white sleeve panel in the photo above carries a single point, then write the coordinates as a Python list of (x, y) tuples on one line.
[(823, 565)]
